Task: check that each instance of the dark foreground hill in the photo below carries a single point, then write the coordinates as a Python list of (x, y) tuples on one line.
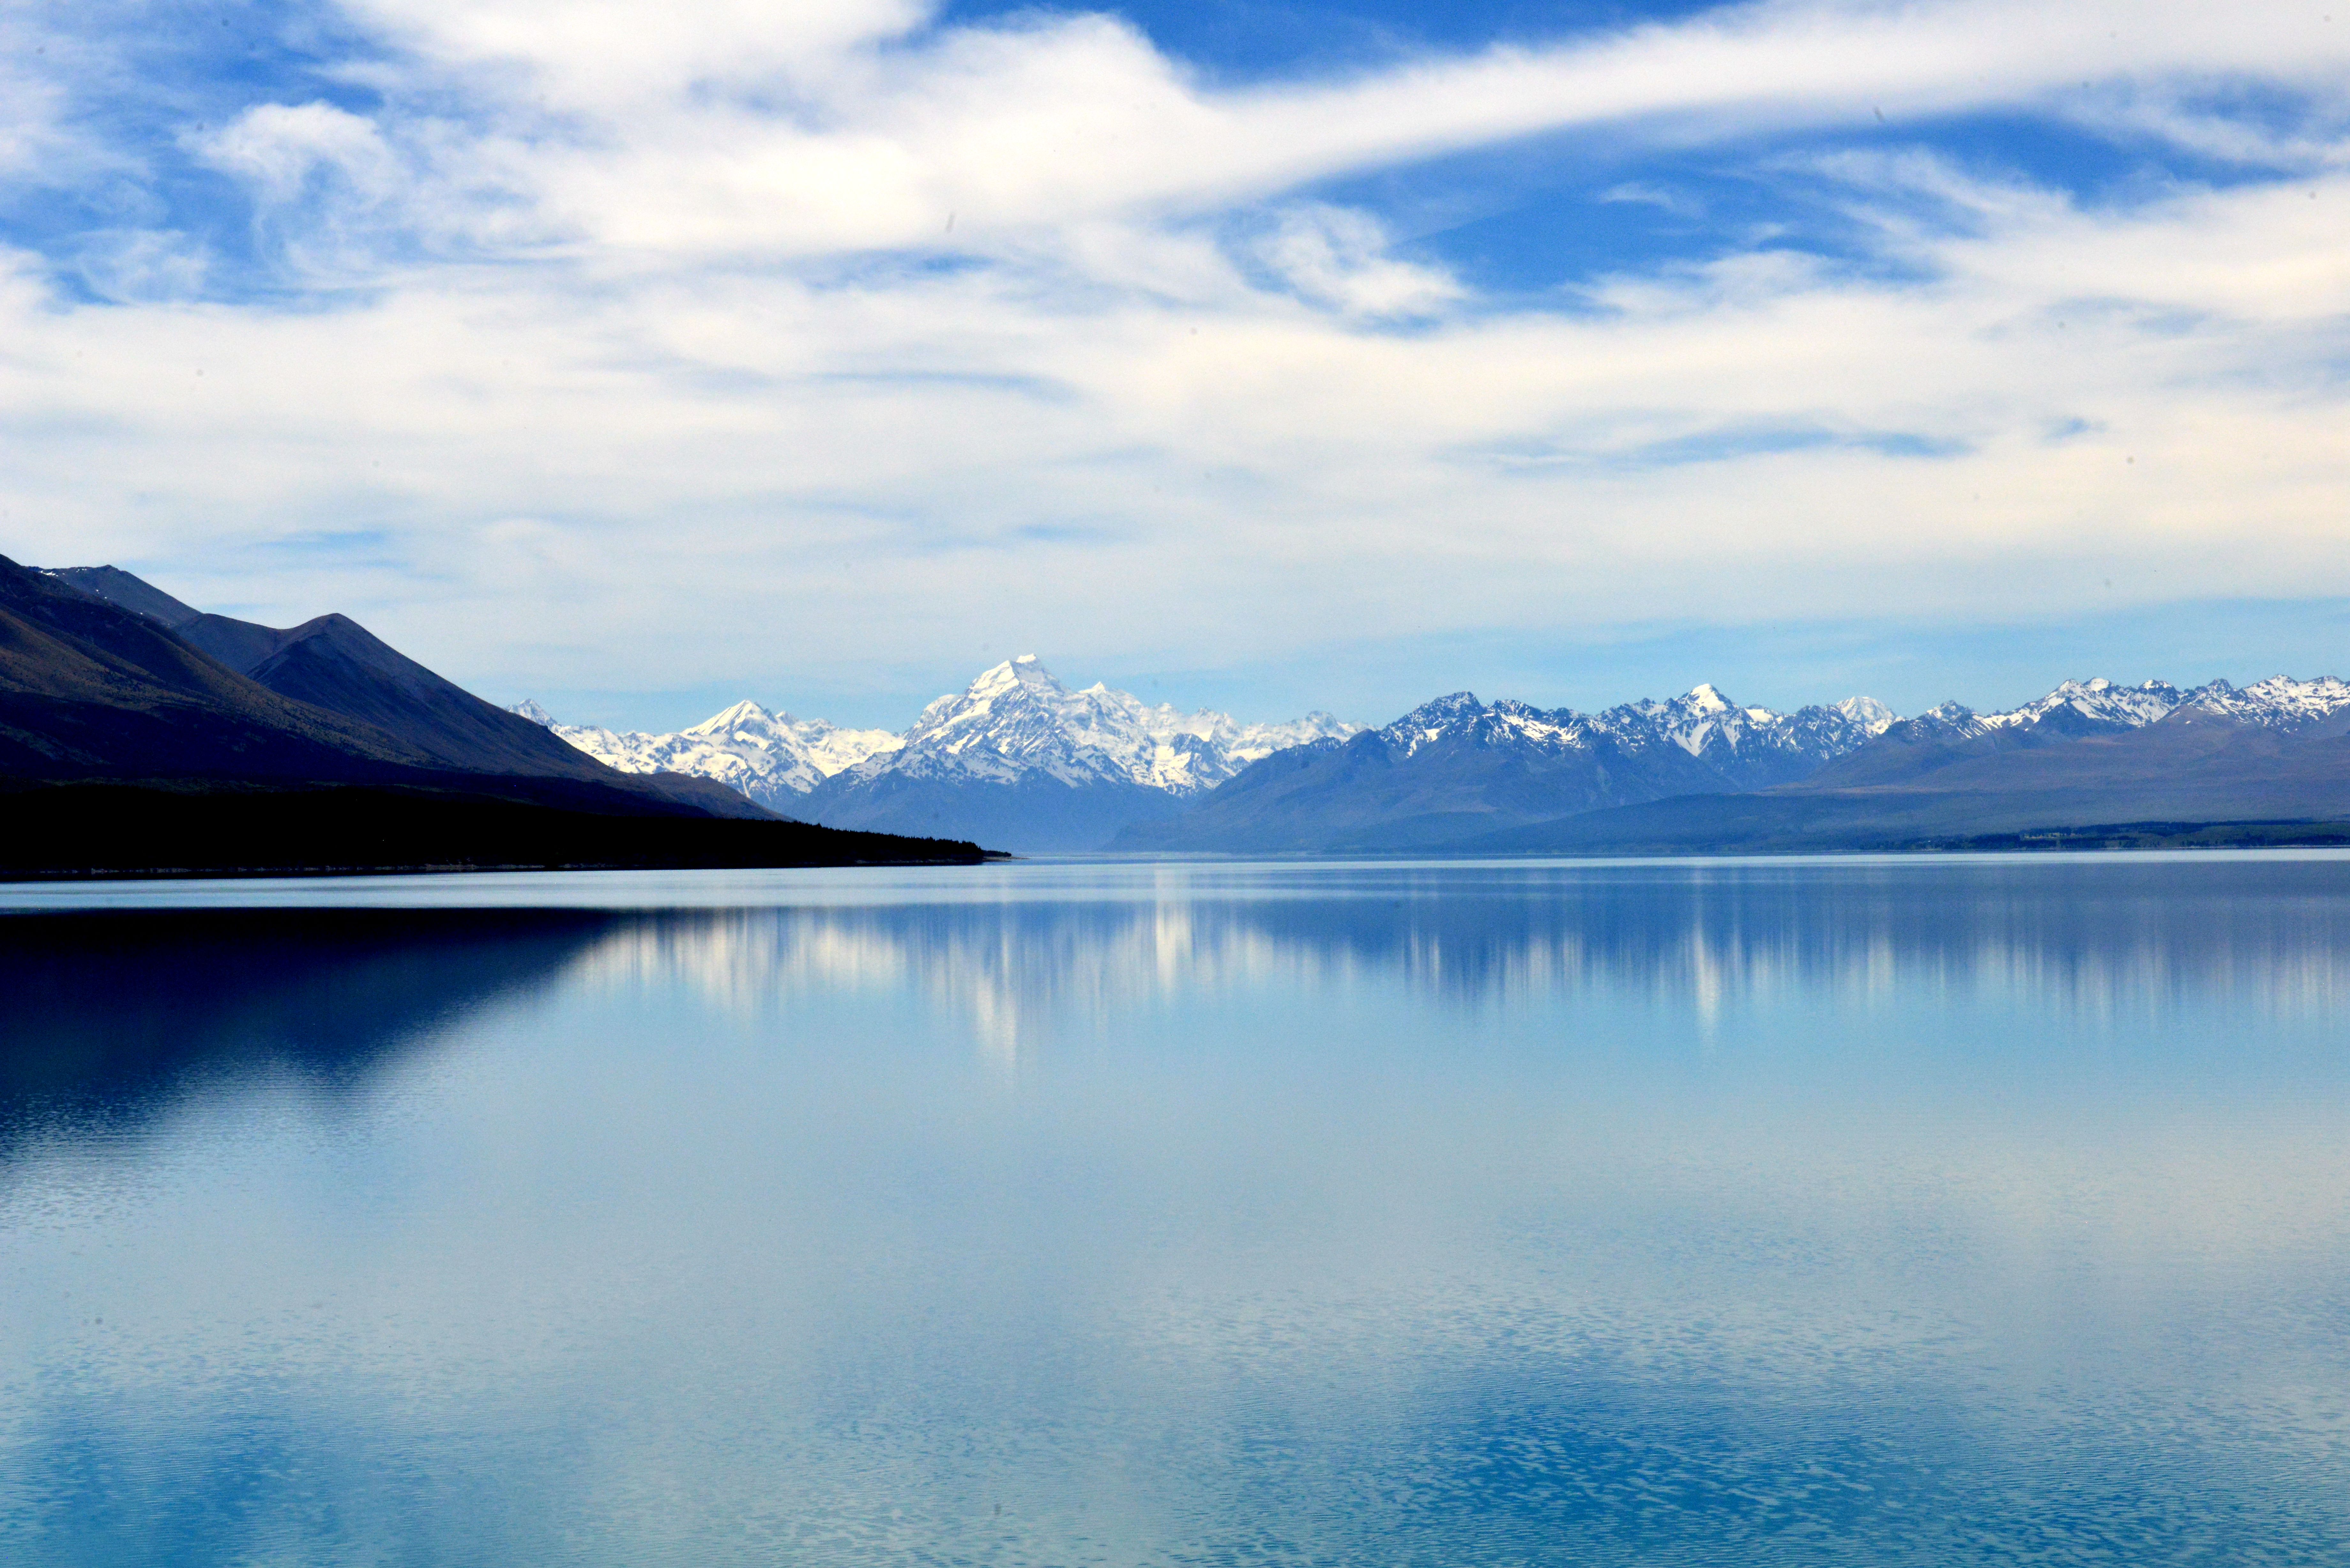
[(336, 665), (125, 746), (115, 830)]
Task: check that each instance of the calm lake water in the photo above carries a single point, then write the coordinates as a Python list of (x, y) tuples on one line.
[(1918, 1211)]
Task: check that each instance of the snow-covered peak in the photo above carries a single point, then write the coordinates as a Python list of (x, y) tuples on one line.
[(1869, 713), (1018, 719), (1947, 721), (2103, 707), (742, 717), (2096, 705), (533, 712), (1744, 747), (2279, 702), (1011, 675), (1434, 719), (770, 756)]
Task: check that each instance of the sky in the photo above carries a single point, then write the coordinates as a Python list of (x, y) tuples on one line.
[(641, 358)]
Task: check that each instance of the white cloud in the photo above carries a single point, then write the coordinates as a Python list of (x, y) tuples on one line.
[(786, 339), (1340, 257), (603, 54), (738, 129), (279, 147)]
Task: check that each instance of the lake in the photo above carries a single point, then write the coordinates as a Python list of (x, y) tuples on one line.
[(1933, 1210)]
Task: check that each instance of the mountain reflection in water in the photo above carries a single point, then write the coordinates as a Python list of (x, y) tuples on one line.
[(110, 1015), (1916, 1211), (2126, 939), (111, 1009)]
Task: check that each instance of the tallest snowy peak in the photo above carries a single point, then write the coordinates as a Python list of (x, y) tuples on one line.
[(1708, 698), (1024, 671), (1018, 722), (742, 716)]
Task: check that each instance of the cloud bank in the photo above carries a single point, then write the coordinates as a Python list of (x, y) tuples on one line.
[(607, 345)]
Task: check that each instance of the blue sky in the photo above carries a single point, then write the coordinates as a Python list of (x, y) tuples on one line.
[(643, 358)]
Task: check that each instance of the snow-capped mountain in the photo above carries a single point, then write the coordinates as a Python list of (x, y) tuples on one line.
[(1019, 720), (772, 757), (2279, 703), (2100, 706), (1019, 759), (2093, 703), (2091, 764)]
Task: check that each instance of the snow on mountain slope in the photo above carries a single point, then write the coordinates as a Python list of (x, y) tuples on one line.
[(1749, 748), (772, 757), (1869, 713), (1454, 768), (1018, 721), (2090, 707), (1021, 759), (2096, 703), (2279, 703)]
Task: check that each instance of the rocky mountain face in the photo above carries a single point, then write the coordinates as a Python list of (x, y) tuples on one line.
[(1455, 767)]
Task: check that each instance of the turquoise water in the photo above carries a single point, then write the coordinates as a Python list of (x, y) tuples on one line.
[(1936, 1211)]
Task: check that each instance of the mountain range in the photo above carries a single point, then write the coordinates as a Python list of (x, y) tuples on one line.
[(772, 757), (132, 724), (1700, 774), (1020, 760), (1454, 768), (1016, 761), (2089, 765)]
